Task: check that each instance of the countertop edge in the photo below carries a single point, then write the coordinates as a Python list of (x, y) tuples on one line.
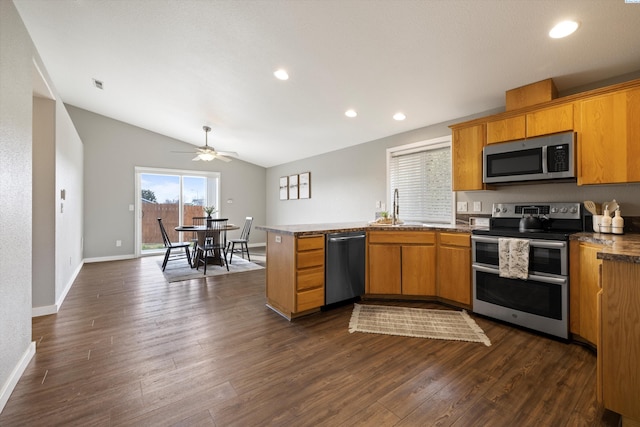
[(308, 229), (617, 247)]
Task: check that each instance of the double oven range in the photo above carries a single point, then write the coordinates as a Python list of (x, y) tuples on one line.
[(541, 301)]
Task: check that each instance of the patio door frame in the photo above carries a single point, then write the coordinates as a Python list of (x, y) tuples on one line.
[(213, 196)]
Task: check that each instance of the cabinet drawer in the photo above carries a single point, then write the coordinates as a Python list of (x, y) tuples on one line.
[(402, 237), (310, 278), (455, 239), (307, 300), (310, 259), (310, 243)]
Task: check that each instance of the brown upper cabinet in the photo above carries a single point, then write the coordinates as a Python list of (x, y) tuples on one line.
[(536, 123), (466, 150), (606, 121), (609, 138), (550, 120), (508, 129)]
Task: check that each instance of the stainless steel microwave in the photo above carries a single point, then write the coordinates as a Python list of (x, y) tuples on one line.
[(534, 159)]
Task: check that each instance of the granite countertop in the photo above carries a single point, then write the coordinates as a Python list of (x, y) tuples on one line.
[(618, 247), (305, 229)]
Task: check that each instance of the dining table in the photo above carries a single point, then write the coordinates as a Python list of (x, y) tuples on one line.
[(200, 231)]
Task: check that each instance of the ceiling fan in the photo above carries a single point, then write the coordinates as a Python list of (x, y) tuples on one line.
[(207, 153)]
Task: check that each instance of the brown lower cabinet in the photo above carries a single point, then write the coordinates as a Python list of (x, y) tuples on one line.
[(435, 265), (401, 262), (585, 282), (295, 273), (619, 347), (454, 267)]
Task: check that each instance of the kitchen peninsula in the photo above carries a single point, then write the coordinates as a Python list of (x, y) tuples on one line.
[(403, 261)]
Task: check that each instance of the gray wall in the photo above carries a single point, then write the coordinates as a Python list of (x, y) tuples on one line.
[(44, 199), (16, 52), (57, 223), (112, 151), (40, 153), (345, 184)]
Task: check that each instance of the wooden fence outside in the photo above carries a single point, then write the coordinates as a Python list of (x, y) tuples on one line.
[(169, 213)]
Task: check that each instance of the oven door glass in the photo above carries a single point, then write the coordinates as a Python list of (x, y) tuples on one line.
[(531, 296), (549, 257)]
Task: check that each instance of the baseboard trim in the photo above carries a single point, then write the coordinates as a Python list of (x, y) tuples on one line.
[(109, 258), (17, 372), (46, 310)]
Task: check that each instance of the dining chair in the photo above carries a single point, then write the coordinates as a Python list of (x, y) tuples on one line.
[(243, 241), (212, 244), (170, 246), (198, 221)]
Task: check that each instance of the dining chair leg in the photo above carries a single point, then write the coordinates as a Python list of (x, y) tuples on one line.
[(166, 258), (246, 245), (188, 252), (233, 245)]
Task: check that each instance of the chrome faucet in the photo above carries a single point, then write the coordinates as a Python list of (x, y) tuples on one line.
[(396, 206)]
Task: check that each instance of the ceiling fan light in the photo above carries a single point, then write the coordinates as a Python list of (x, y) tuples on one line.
[(207, 157)]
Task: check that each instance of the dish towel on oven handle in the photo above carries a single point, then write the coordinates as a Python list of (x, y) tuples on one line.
[(513, 257)]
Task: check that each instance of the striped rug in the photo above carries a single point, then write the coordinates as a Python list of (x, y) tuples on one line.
[(416, 322)]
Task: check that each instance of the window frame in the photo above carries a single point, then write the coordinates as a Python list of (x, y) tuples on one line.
[(415, 147)]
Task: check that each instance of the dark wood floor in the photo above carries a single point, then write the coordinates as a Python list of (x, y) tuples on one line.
[(127, 348)]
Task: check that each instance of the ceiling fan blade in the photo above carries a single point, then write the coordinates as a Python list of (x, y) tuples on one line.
[(196, 158), (223, 158), (228, 153)]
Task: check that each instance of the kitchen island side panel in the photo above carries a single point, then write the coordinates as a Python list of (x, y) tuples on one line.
[(280, 287)]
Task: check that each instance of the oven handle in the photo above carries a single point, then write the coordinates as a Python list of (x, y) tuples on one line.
[(535, 277), (536, 243)]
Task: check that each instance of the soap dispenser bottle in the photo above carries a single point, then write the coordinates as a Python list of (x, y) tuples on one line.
[(617, 223), (605, 222)]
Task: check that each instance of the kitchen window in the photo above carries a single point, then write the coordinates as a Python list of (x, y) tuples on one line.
[(422, 174)]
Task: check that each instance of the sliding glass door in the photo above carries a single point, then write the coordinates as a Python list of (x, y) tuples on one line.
[(174, 196)]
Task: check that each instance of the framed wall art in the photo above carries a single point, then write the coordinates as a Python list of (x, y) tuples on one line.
[(293, 187), (304, 185), (284, 188)]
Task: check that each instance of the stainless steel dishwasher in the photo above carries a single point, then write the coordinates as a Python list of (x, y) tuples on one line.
[(344, 266)]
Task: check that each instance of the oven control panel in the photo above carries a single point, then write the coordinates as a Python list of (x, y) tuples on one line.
[(557, 210)]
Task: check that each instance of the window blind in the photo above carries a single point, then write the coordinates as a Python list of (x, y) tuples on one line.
[(423, 180)]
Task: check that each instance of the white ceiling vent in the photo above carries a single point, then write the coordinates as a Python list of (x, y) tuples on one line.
[(98, 84)]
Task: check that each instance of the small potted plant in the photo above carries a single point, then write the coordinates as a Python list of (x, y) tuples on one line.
[(209, 210)]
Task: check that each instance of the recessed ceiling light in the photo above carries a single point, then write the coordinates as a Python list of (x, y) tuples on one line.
[(563, 29), (399, 116), (350, 113), (281, 74)]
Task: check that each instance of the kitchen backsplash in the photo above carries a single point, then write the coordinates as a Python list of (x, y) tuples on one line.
[(627, 196)]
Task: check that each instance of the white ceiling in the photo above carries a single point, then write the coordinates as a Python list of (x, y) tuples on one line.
[(174, 66)]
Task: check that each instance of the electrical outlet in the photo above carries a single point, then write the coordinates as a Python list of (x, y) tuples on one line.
[(462, 207), (118, 243), (278, 239), (378, 204), (477, 206)]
